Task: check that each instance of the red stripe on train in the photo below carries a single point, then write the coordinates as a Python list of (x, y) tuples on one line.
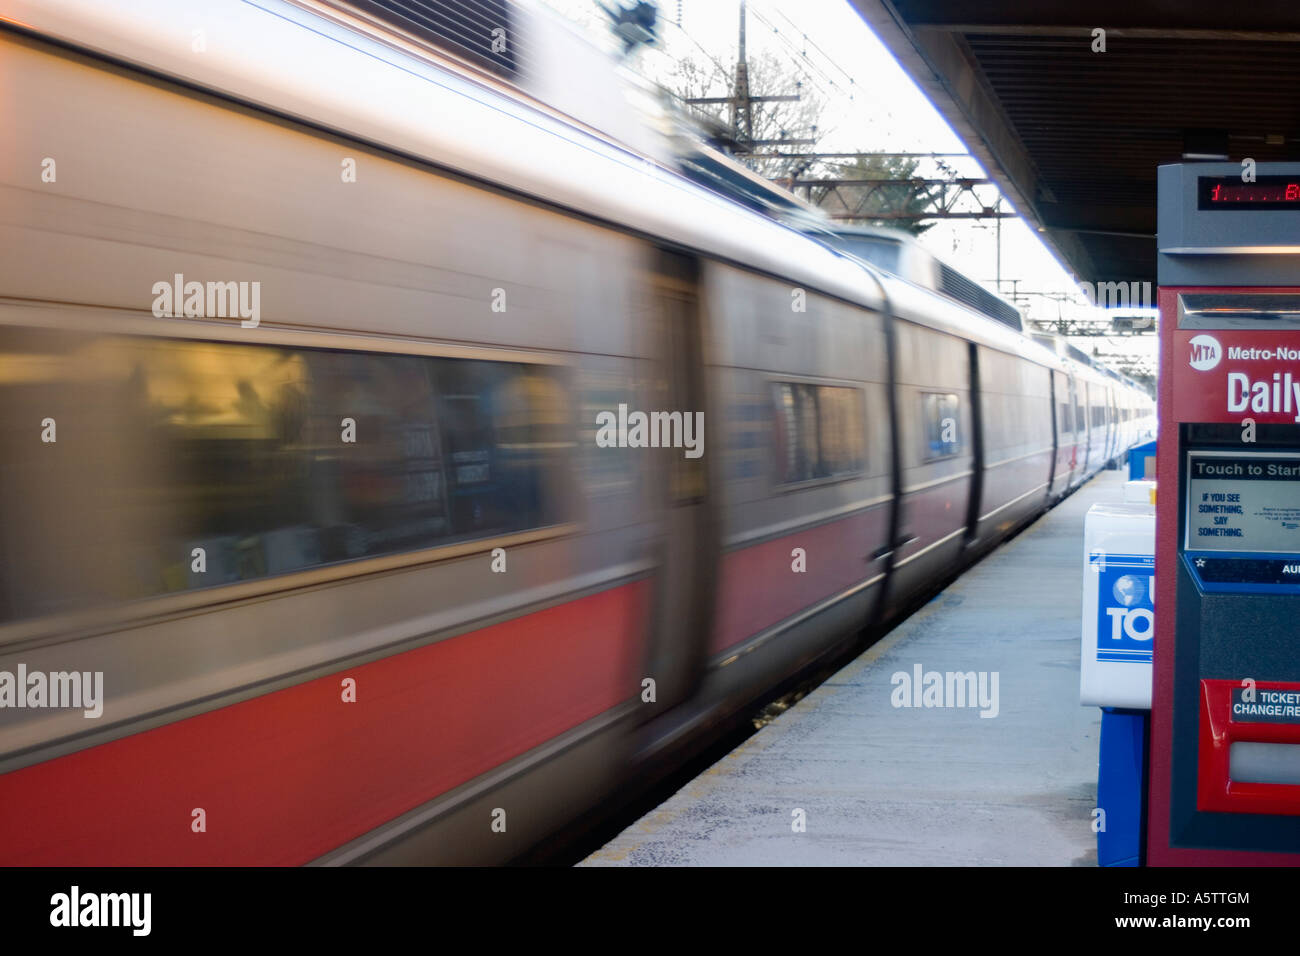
[(759, 588), (288, 776)]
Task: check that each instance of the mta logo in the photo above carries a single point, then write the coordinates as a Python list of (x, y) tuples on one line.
[(1206, 352)]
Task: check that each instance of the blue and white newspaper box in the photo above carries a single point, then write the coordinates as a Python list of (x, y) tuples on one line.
[(1115, 666)]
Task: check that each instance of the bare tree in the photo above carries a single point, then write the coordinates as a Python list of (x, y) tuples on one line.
[(769, 121)]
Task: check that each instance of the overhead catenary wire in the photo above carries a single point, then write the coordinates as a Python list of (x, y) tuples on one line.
[(798, 55), (829, 58)]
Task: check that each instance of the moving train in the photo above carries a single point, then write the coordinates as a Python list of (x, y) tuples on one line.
[(310, 317)]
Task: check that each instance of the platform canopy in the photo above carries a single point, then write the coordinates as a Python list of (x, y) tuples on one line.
[(1073, 136)]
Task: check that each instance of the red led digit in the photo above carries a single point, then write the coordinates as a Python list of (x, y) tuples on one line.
[(1273, 192)]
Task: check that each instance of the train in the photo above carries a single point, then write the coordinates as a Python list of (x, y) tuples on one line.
[(402, 456)]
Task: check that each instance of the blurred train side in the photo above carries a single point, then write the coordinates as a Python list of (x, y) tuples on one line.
[(476, 691)]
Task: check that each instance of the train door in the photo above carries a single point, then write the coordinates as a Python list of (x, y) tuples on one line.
[(1096, 426), (1068, 451), (936, 457), (979, 437), (1097, 418), (1112, 424), (1082, 433), (1103, 413), (688, 553), (1054, 484)]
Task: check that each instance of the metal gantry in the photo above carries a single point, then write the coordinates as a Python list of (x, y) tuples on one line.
[(895, 196)]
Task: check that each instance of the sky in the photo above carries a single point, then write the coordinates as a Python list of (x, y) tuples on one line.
[(870, 105)]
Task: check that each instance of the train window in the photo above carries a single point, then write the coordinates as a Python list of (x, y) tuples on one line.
[(820, 431), (216, 463), (940, 414), (796, 426), (478, 30), (880, 252)]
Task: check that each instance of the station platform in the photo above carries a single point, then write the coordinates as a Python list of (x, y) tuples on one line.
[(881, 784)]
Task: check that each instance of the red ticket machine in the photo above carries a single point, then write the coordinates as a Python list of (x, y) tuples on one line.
[(1225, 736)]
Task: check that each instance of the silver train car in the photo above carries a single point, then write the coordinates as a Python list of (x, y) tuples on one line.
[(319, 545)]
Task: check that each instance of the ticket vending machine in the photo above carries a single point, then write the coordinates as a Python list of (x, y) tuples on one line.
[(1225, 744)]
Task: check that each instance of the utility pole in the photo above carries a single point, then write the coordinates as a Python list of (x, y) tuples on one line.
[(741, 104), (742, 117), (998, 239)]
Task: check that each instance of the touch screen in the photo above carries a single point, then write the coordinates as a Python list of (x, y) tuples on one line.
[(1239, 502)]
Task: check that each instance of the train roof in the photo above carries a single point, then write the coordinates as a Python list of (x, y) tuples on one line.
[(899, 252)]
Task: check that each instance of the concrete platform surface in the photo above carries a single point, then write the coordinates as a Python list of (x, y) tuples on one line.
[(879, 783)]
